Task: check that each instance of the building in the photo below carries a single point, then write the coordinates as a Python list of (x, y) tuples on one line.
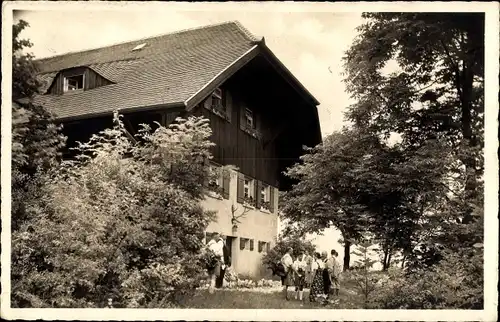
[(261, 116)]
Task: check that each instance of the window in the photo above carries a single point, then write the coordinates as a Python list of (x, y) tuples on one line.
[(244, 243), (139, 47), (264, 193), (249, 118), (246, 188), (217, 100), (73, 83), (251, 244)]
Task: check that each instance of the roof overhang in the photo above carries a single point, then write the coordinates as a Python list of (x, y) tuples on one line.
[(259, 48)]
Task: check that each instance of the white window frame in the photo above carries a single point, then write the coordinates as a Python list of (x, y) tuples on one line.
[(264, 189), (249, 186), (217, 97), (66, 83), (249, 118)]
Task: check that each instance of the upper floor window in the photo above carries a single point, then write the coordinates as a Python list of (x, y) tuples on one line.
[(217, 100), (264, 193), (73, 83), (246, 188), (249, 118)]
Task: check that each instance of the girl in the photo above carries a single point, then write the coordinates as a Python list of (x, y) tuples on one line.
[(317, 287), (300, 275)]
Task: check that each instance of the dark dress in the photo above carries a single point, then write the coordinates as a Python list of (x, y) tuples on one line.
[(317, 287)]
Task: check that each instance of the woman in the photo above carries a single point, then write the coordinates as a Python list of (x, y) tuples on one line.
[(299, 277), (327, 282), (317, 287), (287, 263), (309, 273), (336, 269)]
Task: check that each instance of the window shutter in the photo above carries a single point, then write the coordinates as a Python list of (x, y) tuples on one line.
[(271, 198), (258, 185), (251, 244), (241, 181), (242, 243), (226, 179)]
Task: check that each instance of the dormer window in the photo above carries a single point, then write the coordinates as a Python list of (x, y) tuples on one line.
[(73, 83)]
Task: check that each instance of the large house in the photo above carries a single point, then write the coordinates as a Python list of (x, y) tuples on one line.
[(260, 115)]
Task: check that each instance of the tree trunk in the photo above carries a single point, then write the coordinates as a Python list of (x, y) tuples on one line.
[(389, 260), (347, 255), (386, 255)]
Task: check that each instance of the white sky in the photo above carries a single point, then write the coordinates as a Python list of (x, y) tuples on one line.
[(310, 44)]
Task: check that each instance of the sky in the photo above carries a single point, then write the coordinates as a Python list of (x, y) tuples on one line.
[(310, 44)]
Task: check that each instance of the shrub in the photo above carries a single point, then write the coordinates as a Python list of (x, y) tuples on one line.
[(455, 283), (121, 221), (272, 257)]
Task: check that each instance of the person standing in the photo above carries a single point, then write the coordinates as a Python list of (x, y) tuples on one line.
[(327, 283), (216, 245), (300, 266), (317, 287), (287, 262), (336, 270), (226, 262)]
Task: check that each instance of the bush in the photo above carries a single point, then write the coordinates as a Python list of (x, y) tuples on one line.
[(455, 283), (272, 258), (122, 221)]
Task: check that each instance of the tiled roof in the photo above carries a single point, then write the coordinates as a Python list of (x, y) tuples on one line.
[(168, 70)]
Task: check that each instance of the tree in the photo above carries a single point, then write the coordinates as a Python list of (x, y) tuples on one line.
[(326, 193), (36, 139), (122, 221), (434, 101), (365, 281), (437, 93)]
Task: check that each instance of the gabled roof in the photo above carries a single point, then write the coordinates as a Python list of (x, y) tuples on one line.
[(175, 69)]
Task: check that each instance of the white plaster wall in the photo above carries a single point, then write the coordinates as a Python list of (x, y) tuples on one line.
[(256, 225)]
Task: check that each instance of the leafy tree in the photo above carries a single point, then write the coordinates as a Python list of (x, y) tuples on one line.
[(326, 193), (36, 139), (122, 221), (435, 102), (273, 256), (437, 93)]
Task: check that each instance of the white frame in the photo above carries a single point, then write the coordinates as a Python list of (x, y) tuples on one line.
[(265, 189), (249, 116), (66, 83)]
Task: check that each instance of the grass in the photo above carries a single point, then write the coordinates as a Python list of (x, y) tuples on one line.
[(241, 299)]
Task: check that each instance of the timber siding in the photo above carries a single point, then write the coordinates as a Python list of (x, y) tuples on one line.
[(236, 147)]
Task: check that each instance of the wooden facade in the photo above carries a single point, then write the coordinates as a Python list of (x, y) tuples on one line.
[(90, 77)]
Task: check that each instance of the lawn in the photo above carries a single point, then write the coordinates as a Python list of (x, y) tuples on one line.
[(274, 299)]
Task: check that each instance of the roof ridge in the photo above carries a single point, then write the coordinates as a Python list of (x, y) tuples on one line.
[(247, 33)]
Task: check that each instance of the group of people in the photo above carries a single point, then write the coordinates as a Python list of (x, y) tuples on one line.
[(319, 273)]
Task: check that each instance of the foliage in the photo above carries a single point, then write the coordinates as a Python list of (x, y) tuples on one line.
[(365, 282), (274, 255), (121, 221), (456, 282), (36, 139), (325, 194), (434, 101)]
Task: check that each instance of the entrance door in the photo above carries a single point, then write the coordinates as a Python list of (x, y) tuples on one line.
[(229, 245)]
